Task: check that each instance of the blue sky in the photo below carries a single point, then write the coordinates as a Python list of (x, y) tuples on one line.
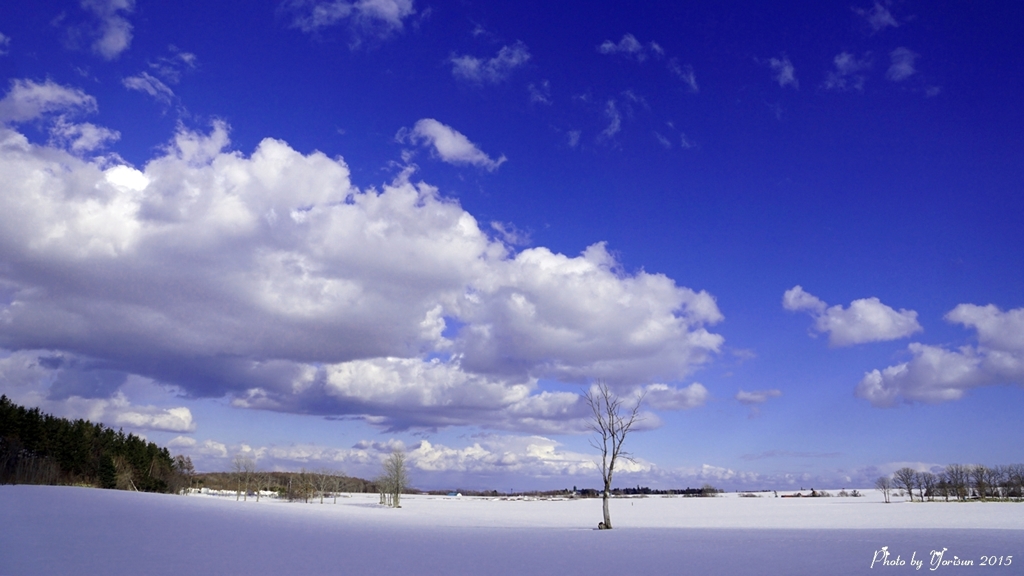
[(315, 230)]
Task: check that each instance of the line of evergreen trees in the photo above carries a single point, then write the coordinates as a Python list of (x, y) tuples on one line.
[(37, 448)]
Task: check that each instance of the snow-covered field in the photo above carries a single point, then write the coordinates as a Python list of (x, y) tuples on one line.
[(64, 530)]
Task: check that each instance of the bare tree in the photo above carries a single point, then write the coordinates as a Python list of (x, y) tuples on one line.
[(957, 476), (394, 480), (926, 485), (884, 485), (185, 472), (324, 482), (244, 468), (906, 478), (612, 421), (979, 476)]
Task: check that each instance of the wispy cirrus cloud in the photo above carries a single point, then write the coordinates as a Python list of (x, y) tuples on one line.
[(685, 73), (630, 47), (865, 320), (149, 84), (448, 144), (847, 74), (367, 19), (785, 73), (493, 70), (902, 64), (878, 17)]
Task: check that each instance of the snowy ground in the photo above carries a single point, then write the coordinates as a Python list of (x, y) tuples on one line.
[(63, 530)]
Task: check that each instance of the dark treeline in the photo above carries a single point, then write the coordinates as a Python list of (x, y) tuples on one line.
[(706, 490), (37, 448), (306, 485)]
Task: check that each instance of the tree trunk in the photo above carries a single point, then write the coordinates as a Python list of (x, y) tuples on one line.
[(607, 514)]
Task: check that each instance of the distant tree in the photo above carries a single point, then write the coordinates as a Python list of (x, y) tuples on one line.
[(323, 480), (958, 477), (906, 479), (926, 485), (394, 479), (124, 473), (244, 467), (884, 485), (185, 472), (1015, 480), (612, 421), (979, 477)]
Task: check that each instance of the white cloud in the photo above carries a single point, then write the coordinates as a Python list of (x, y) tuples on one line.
[(493, 70), (573, 138), (28, 100), (785, 74), (878, 17), (115, 32), (684, 73), (172, 67), (757, 396), (611, 111), (936, 374), (540, 94), (145, 82), (631, 47), (510, 234), (270, 280), (866, 320), (368, 19), (664, 397), (81, 138), (449, 144), (902, 66), (846, 75), (5, 44)]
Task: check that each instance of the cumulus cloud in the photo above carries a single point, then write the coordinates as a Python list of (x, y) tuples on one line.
[(757, 396), (449, 144), (28, 100), (70, 387), (866, 319), (631, 47), (81, 137), (937, 374), (493, 70), (367, 18), (785, 73), (847, 73), (114, 32), (145, 82), (271, 280), (878, 17), (664, 397), (902, 66)]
